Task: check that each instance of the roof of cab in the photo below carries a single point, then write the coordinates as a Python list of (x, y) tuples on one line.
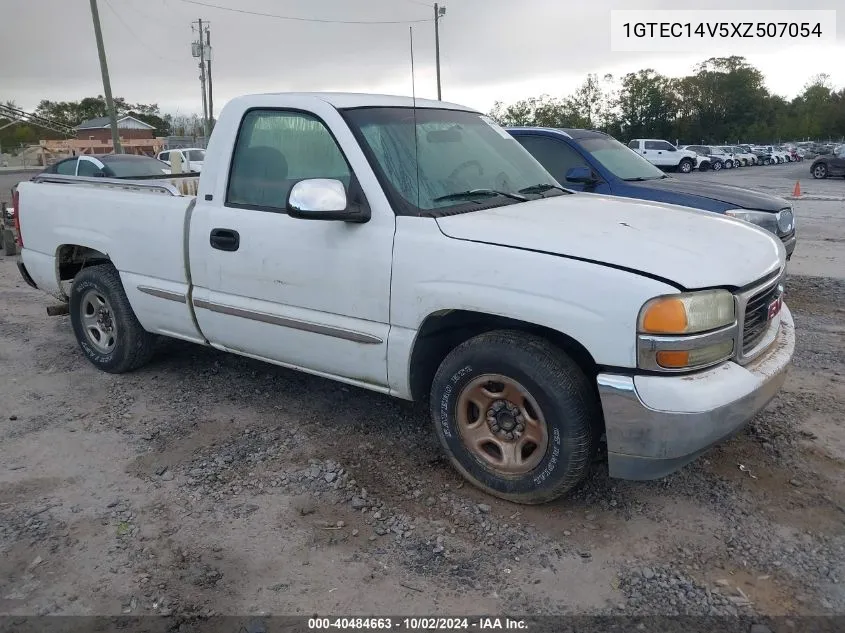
[(573, 133), (364, 100)]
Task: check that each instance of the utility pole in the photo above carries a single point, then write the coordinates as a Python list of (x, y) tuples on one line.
[(104, 69), (438, 12), (210, 92), (200, 50)]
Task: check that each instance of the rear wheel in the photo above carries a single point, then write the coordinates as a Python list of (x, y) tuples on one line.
[(729, 164), (704, 166), (105, 326), (820, 171), (717, 166), (516, 416)]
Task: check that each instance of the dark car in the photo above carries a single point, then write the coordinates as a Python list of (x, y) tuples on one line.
[(829, 164), (110, 166), (594, 162)]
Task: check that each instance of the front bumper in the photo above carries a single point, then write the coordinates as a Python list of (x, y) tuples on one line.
[(657, 424), (789, 244)]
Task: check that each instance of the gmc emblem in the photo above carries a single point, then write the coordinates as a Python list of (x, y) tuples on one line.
[(774, 307)]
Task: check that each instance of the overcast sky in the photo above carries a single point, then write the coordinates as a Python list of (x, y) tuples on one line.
[(490, 49)]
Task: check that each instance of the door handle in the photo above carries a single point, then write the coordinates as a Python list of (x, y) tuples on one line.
[(225, 239)]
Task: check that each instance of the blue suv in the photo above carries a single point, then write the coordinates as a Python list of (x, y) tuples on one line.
[(593, 162)]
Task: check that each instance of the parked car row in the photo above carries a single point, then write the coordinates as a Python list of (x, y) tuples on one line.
[(685, 158)]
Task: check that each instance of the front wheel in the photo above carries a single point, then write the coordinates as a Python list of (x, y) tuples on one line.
[(516, 416), (704, 166), (104, 323), (729, 164), (820, 171), (685, 166), (717, 166)]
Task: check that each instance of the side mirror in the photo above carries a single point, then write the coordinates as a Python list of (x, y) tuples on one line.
[(324, 199), (672, 148), (583, 175)]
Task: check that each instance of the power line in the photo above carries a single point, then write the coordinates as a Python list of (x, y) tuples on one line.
[(300, 19), (138, 37)]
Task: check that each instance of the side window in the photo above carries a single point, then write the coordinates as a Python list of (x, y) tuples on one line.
[(87, 168), (653, 145), (165, 156), (67, 167), (556, 156), (666, 146), (277, 148), (634, 145)]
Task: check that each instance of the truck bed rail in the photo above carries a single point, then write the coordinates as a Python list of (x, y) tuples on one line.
[(173, 186)]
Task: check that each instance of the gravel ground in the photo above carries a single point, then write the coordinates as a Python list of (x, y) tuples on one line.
[(212, 484)]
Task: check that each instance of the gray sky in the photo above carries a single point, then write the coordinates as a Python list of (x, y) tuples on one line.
[(490, 49)]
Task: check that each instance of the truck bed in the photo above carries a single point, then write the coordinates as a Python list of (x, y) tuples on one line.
[(154, 213)]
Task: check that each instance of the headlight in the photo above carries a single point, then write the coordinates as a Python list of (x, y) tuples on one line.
[(686, 331), (763, 219), (688, 313)]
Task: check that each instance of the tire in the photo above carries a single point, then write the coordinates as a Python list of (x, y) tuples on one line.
[(538, 381), (729, 164), (820, 171), (717, 166), (105, 326), (685, 166), (704, 166), (767, 161)]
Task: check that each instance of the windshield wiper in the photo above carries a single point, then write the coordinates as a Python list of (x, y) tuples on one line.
[(540, 188), (474, 193)]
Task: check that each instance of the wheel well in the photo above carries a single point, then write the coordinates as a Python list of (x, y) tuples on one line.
[(71, 258), (441, 332)]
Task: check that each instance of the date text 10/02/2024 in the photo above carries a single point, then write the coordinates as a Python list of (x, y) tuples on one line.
[(417, 624)]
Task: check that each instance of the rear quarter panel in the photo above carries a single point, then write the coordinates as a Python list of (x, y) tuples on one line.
[(141, 233)]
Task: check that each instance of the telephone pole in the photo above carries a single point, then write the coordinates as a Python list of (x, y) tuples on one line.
[(104, 69), (438, 13), (210, 92), (201, 48)]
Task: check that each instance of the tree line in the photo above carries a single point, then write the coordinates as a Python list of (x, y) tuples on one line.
[(724, 100)]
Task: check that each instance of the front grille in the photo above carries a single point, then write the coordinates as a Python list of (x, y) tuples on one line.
[(757, 317)]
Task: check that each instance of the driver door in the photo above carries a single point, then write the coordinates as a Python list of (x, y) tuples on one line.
[(310, 294)]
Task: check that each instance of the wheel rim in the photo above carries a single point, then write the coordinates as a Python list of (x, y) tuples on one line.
[(501, 424), (685, 168), (717, 166), (98, 322)]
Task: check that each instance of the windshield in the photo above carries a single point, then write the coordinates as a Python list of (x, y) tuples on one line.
[(620, 160), (135, 166), (195, 155), (458, 152)]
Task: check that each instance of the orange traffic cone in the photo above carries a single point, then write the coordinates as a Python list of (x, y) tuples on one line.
[(797, 191)]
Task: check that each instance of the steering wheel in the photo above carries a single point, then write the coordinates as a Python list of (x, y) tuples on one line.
[(465, 165)]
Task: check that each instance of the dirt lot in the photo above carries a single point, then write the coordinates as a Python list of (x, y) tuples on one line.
[(207, 483)]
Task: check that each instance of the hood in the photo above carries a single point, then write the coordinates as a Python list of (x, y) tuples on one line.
[(693, 249), (733, 197)]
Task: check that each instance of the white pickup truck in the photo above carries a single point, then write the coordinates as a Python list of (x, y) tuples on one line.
[(422, 252)]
